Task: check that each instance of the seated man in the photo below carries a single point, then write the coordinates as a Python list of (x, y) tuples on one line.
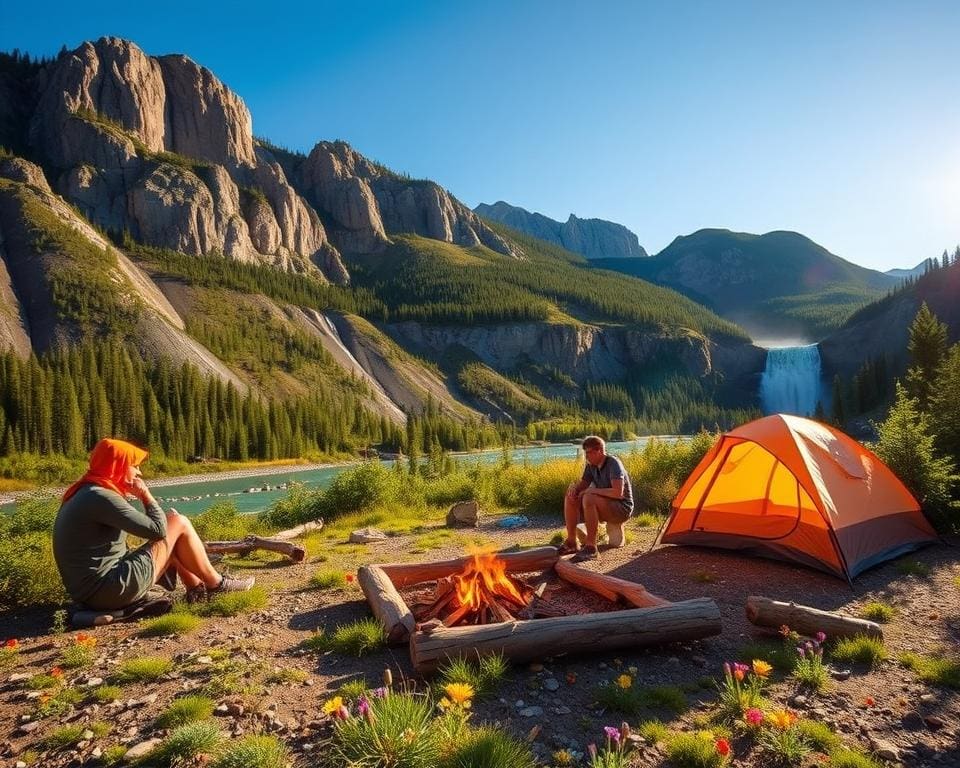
[(603, 494), (98, 570)]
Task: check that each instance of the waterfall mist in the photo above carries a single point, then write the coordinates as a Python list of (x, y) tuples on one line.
[(791, 380)]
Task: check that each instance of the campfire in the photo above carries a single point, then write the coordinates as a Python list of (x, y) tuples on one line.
[(484, 593), (479, 605)]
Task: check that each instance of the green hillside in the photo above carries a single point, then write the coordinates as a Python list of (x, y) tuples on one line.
[(776, 283)]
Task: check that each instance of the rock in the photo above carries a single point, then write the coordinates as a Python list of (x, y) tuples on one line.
[(700, 661), (799, 701), (519, 703), (928, 698), (562, 710), (840, 674), (19, 677), (93, 682), (551, 684), (531, 712), (535, 666), (885, 750), (88, 734), (140, 750), (464, 514), (18, 169), (29, 727), (911, 721), (933, 722), (673, 662), (367, 536)]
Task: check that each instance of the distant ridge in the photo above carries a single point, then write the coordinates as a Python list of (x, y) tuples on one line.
[(592, 238)]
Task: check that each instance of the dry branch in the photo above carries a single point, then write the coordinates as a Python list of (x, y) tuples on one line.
[(609, 586), (248, 544), (765, 612)]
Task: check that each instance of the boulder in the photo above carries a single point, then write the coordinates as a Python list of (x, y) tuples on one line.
[(18, 169), (367, 536), (464, 514)]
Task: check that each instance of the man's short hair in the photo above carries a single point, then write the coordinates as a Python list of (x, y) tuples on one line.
[(593, 441)]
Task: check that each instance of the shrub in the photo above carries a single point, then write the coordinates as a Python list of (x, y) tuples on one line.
[(182, 745), (28, 571), (694, 750), (106, 693), (253, 752), (223, 522), (783, 741), (653, 731), (113, 755), (356, 639), (178, 623), (329, 579), (143, 669), (620, 696), (400, 731), (809, 669), (741, 688), (232, 603), (667, 697), (879, 612), (933, 670), (287, 675), (490, 748), (58, 704), (483, 674), (842, 757), (913, 568), (65, 737), (352, 690), (188, 709), (818, 735), (780, 656), (861, 649)]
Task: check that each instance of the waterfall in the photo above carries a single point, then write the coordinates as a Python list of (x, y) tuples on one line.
[(791, 380)]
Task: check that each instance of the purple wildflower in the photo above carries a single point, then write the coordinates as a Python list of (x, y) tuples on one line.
[(379, 693), (363, 706), (801, 651), (612, 733), (821, 636)]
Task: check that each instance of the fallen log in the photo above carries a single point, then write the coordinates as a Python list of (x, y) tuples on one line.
[(528, 640), (609, 587), (300, 530), (526, 561), (765, 612), (386, 603), (248, 544)]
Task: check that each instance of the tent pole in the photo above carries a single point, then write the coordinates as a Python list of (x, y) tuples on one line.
[(706, 492)]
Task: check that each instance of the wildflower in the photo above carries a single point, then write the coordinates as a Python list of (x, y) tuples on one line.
[(722, 746), (761, 668), (460, 694), (624, 730), (349, 577), (624, 681), (632, 670), (612, 733), (820, 636), (409, 735), (801, 652), (782, 719), (379, 693), (363, 706), (753, 716), (342, 713), (85, 640), (571, 678), (592, 751), (869, 701), (57, 673), (785, 630), (333, 705), (738, 672), (12, 644)]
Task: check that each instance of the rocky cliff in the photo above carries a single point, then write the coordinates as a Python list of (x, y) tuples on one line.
[(593, 238), (160, 148), (365, 202)]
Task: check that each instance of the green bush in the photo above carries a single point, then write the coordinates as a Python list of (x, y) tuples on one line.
[(483, 674), (402, 733), (328, 580), (842, 757), (170, 624), (879, 612), (693, 750), (143, 669), (188, 709), (489, 747), (253, 752), (223, 522), (232, 603), (933, 670), (818, 735), (28, 572), (182, 745), (861, 649), (356, 639)]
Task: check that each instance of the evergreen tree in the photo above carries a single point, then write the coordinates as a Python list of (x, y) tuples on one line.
[(927, 347), (945, 405)]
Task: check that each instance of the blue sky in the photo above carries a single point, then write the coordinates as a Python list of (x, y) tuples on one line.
[(837, 120)]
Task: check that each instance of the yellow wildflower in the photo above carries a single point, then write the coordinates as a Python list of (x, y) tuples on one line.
[(459, 694), (333, 705), (782, 719), (624, 681), (761, 668)]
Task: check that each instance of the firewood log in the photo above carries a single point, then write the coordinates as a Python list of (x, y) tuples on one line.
[(765, 612)]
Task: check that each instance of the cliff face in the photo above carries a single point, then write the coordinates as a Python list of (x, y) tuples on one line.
[(366, 202), (593, 238), (162, 149)]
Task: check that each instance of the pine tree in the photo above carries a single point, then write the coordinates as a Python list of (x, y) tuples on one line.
[(927, 347), (945, 405)]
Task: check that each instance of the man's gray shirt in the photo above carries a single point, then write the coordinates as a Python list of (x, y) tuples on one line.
[(602, 477)]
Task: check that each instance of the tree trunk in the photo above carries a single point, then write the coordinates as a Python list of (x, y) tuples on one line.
[(386, 603), (526, 561), (527, 640), (765, 612), (609, 587)]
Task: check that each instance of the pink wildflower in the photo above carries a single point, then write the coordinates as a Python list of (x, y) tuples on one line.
[(754, 716), (820, 636), (612, 733)]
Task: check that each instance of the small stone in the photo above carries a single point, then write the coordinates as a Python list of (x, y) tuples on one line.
[(93, 682), (912, 721), (562, 710), (31, 695), (204, 660), (933, 722), (928, 698), (673, 661), (88, 734), (551, 684), (799, 701), (531, 712), (885, 750), (29, 727), (19, 677), (97, 751), (464, 514), (536, 667), (840, 674), (221, 710), (21, 764), (367, 536), (139, 750)]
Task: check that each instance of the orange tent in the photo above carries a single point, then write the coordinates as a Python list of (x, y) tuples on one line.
[(791, 488)]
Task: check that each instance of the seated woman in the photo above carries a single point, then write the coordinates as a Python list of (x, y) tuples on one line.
[(98, 570)]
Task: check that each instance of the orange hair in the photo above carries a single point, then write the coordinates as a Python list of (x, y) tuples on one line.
[(109, 462)]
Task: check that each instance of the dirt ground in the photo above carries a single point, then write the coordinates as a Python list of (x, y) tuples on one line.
[(885, 708)]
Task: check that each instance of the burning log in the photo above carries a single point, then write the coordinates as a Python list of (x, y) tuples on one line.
[(431, 645), (765, 612), (529, 560), (610, 587)]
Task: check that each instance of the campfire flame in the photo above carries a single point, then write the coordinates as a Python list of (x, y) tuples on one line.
[(490, 571)]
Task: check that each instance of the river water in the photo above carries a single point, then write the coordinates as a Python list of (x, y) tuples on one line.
[(253, 494)]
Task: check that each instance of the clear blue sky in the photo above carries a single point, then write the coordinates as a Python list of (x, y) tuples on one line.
[(837, 120)]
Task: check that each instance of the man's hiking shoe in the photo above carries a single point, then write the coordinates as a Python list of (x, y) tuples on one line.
[(587, 553), (615, 538), (232, 585), (567, 549)]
